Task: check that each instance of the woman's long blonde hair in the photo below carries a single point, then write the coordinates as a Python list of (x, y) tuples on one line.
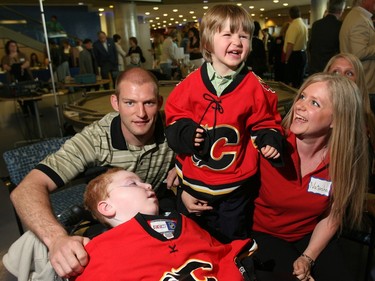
[(361, 83), (347, 145)]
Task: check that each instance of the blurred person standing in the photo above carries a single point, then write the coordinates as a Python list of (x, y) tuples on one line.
[(87, 61), (295, 48), (193, 47), (106, 55), (168, 54), (121, 54), (135, 53), (324, 41), (278, 55), (357, 36), (257, 59)]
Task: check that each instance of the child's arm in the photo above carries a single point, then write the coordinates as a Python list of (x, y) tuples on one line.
[(186, 136), (270, 142)]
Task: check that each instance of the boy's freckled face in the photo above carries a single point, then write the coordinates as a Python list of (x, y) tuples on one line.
[(230, 49), (129, 196)]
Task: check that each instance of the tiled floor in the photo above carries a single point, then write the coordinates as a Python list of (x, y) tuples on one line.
[(13, 132)]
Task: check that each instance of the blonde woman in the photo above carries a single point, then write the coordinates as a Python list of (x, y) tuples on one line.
[(351, 67), (301, 206)]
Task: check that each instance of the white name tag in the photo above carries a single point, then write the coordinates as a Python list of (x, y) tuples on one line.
[(322, 187)]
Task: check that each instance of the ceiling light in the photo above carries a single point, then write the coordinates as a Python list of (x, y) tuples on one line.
[(101, 9), (205, 7), (110, 6), (251, 7), (156, 8), (171, 19), (100, 14), (275, 1), (151, 20), (165, 15), (239, 4), (261, 9), (80, 4), (193, 17), (191, 12), (175, 10), (147, 13), (285, 4), (157, 18), (180, 16), (253, 15)]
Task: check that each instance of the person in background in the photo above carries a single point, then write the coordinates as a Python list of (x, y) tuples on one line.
[(129, 206), (193, 47), (257, 59), (351, 67), (76, 50), (324, 37), (15, 63), (88, 64), (295, 45), (168, 54), (157, 49), (135, 53), (34, 61), (106, 55), (17, 68), (357, 37), (301, 206), (121, 54), (131, 138), (54, 26), (278, 55), (217, 120)]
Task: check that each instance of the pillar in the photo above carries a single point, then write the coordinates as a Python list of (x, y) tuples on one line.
[(318, 7)]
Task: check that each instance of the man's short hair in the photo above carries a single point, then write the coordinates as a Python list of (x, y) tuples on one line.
[(294, 12), (87, 40), (336, 6)]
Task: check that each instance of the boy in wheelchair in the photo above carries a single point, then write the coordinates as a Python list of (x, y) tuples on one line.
[(142, 245)]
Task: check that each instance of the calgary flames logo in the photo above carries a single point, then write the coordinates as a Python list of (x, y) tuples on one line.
[(192, 270)]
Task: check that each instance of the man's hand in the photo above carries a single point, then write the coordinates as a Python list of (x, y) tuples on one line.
[(172, 179), (194, 205), (68, 256)]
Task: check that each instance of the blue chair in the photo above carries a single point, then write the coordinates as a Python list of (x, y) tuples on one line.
[(20, 161)]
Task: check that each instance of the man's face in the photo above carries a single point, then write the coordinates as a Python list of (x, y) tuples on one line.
[(138, 106), (102, 37)]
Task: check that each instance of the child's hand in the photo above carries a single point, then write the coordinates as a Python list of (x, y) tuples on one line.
[(194, 205), (199, 137), (270, 152)]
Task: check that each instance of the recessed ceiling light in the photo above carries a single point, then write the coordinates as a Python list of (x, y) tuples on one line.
[(175, 10), (239, 4), (147, 13), (151, 20), (165, 15), (100, 14), (251, 7), (101, 9), (285, 4), (157, 18), (156, 8), (193, 17), (275, 1), (253, 15), (180, 16), (205, 7), (110, 6), (80, 3), (191, 12)]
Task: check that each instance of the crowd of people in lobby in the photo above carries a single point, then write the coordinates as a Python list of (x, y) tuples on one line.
[(241, 178)]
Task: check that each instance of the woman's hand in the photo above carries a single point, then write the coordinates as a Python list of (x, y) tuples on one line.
[(302, 269)]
